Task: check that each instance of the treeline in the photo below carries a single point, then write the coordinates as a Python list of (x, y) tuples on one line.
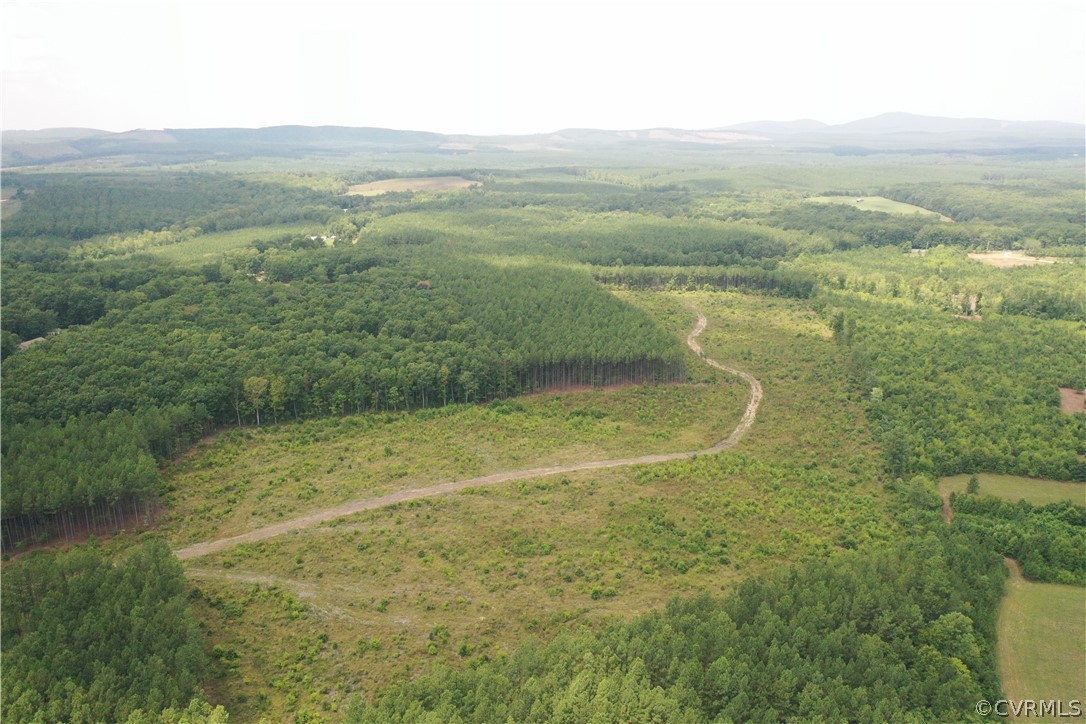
[(385, 337), (848, 226), (89, 473), (1047, 540), (86, 639), (74, 207), (948, 396), (904, 632), (780, 282), (87, 412), (562, 230)]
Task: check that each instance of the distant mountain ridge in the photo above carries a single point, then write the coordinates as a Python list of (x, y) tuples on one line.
[(888, 132), (912, 123)]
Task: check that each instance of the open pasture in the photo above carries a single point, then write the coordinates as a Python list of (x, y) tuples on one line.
[(8, 204), (420, 183)]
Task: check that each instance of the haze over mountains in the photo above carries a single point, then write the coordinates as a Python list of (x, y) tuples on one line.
[(886, 133)]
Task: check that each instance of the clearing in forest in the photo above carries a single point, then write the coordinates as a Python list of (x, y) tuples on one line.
[(1041, 639), (1009, 259), (421, 183), (356, 603), (210, 247), (277, 473), (1072, 401), (879, 203), (8, 204), (1014, 487)]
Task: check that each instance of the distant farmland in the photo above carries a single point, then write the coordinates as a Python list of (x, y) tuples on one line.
[(877, 203), (421, 183)]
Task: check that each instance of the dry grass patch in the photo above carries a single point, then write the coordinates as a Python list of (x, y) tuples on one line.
[(1009, 259), (422, 183), (9, 205)]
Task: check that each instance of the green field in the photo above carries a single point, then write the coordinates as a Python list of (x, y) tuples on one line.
[(1042, 640), (209, 247), (877, 203), (1014, 487)]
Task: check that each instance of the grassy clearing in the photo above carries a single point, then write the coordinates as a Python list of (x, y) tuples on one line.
[(1004, 259), (1042, 641), (1013, 487), (8, 205), (422, 183), (248, 478), (807, 415), (328, 613), (383, 594), (878, 203), (208, 247)]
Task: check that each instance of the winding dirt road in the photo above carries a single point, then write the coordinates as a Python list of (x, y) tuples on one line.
[(356, 506)]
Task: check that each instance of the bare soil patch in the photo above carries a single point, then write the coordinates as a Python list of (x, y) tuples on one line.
[(424, 183), (1072, 401), (1009, 259)]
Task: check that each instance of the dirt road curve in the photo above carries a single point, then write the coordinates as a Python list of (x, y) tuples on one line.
[(356, 506)]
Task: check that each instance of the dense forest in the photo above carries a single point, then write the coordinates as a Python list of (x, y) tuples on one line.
[(949, 395), (144, 310), (85, 639)]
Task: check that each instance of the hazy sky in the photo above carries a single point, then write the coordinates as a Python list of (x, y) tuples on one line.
[(521, 66)]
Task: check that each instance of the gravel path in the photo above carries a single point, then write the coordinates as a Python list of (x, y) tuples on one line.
[(356, 506)]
